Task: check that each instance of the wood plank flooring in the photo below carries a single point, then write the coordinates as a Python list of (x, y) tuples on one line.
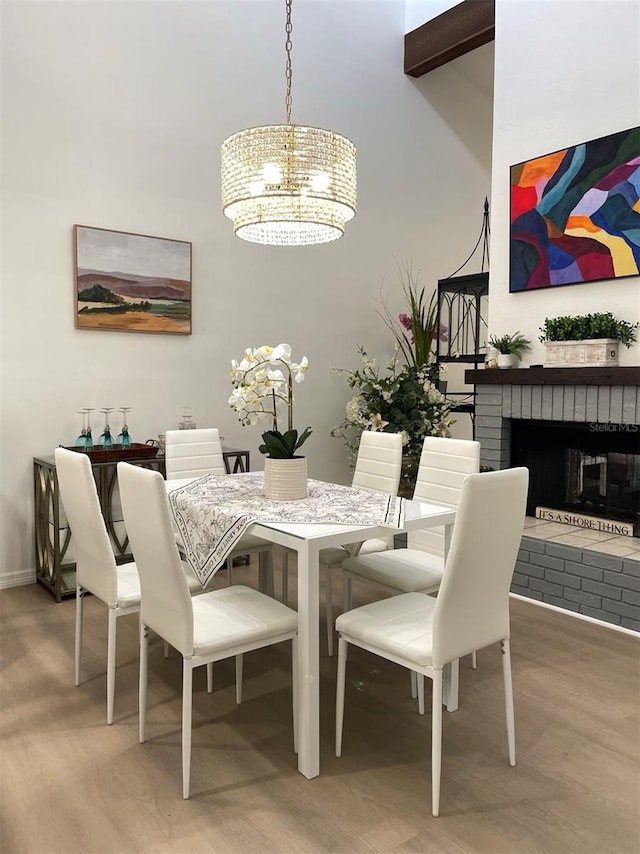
[(70, 784)]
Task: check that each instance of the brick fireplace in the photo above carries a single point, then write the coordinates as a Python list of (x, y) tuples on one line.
[(596, 412)]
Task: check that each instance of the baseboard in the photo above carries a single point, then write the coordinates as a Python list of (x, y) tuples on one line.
[(566, 611), (17, 579)]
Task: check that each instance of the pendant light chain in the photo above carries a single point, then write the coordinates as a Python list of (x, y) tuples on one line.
[(288, 70)]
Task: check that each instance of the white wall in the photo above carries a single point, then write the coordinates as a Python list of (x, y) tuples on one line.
[(418, 12), (565, 73), (113, 116)]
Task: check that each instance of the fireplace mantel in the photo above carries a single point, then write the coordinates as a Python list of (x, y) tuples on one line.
[(627, 376)]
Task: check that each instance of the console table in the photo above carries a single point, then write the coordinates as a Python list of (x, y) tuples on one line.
[(55, 563)]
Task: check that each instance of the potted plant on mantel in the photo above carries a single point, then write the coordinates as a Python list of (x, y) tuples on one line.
[(262, 383), (585, 341), (510, 348)]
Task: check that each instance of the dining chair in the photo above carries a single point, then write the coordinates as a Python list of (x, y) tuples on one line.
[(471, 610), (216, 625), (196, 453), (444, 464), (97, 572), (378, 467)]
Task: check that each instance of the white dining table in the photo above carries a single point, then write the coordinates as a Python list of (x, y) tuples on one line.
[(307, 540)]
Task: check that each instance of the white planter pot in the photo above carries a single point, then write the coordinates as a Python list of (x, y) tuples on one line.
[(285, 480), (592, 353), (507, 360)]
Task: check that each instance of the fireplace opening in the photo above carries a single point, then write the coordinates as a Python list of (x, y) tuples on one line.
[(591, 469)]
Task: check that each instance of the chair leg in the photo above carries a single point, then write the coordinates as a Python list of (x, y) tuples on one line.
[(346, 595), (294, 690), (436, 742), (142, 686), (111, 663), (165, 649), (187, 698), (508, 700), (78, 649), (414, 684), (210, 677), (229, 572), (420, 681), (342, 675), (474, 660), (285, 577), (239, 661), (328, 592)]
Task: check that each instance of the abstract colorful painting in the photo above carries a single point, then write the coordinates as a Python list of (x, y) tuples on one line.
[(575, 214), (132, 282)]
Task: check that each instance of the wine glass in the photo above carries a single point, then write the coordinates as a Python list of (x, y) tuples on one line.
[(106, 440), (81, 440), (124, 438), (88, 439)]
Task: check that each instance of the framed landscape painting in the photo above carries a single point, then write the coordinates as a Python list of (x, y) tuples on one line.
[(575, 214), (131, 282)]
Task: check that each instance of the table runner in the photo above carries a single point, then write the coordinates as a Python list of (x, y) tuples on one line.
[(212, 513)]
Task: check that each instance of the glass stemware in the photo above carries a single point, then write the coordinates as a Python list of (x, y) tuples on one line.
[(124, 438), (81, 440), (88, 439), (106, 440)]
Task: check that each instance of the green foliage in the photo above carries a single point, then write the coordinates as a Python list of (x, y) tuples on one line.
[(116, 309), (283, 446), (515, 344), (415, 334), (588, 326), (405, 400), (98, 293)]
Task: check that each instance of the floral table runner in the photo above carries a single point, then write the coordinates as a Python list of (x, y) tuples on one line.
[(212, 513)]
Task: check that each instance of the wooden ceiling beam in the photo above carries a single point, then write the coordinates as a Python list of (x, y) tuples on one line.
[(455, 32)]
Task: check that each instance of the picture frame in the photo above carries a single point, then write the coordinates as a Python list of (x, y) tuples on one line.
[(129, 282), (575, 214)]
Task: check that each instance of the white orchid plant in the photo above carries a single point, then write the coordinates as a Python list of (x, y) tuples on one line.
[(262, 384)]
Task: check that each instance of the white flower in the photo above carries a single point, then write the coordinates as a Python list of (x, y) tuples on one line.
[(405, 437), (353, 410), (386, 396), (282, 353), (300, 370), (376, 422)]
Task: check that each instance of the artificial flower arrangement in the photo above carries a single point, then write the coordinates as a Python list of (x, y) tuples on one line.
[(262, 384), (405, 398)]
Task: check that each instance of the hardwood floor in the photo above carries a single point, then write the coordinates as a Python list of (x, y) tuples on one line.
[(71, 784)]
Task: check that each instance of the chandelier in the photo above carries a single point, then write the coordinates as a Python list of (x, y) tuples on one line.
[(288, 185)]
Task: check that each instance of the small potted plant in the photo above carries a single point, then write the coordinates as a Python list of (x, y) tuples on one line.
[(586, 341), (262, 383), (510, 348)]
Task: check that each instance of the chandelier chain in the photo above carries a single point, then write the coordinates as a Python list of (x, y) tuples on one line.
[(288, 70)]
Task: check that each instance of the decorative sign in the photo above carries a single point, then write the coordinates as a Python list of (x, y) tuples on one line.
[(592, 523)]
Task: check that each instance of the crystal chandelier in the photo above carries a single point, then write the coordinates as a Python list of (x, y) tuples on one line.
[(288, 185)]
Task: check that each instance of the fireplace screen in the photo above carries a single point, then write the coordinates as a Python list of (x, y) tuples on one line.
[(571, 468)]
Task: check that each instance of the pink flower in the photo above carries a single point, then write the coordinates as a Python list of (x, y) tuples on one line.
[(405, 320), (441, 332)]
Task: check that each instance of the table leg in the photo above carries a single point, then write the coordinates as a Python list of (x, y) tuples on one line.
[(308, 661)]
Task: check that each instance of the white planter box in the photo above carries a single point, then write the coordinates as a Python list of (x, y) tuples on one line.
[(592, 353)]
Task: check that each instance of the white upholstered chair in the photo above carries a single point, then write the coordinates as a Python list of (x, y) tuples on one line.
[(96, 569), (378, 467), (219, 624), (196, 453), (444, 464), (471, 610)]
